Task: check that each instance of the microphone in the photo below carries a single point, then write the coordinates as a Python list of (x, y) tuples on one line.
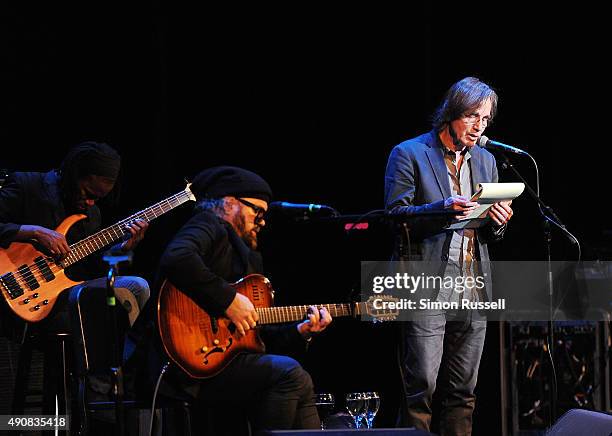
[(297, 207), (485, 142)]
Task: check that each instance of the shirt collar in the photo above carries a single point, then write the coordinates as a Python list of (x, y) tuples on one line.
[(465, 152)]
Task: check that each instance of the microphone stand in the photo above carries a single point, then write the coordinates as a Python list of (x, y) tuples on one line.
[(547, 213), (114, 259)]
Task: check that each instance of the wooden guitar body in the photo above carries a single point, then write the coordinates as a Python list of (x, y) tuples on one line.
[(31, 295), (202, 345)]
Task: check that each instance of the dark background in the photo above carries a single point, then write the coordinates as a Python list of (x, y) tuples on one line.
[(313, 99)]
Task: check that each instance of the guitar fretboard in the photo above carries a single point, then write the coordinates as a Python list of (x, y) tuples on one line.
[(117, 231), (275, 315)]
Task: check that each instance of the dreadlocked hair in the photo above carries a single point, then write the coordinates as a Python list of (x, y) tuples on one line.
[(77, 164)]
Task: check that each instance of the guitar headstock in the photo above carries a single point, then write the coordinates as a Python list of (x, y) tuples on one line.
[(188, 191), (377, 307)]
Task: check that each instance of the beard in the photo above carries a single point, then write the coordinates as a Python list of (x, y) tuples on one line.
[(249, 237)]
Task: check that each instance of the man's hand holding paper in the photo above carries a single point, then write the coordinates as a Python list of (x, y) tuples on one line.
[(501, 212), (492, 200), (463, 205)]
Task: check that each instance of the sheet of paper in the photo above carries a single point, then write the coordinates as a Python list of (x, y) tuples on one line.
[(486, 195)]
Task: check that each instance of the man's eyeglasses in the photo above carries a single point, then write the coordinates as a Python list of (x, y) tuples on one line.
[(260, 212), (474, 119)]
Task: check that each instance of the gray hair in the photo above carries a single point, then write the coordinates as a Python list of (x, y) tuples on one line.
[(211, 204), (464, 96)]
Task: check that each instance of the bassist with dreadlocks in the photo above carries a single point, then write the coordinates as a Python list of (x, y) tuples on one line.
[(32, 204)]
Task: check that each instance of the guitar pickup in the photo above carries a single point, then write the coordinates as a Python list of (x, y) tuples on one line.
[(44, 269), (28, 277), (11, 285)]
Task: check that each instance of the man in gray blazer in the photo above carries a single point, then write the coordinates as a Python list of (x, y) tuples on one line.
[(427, 179)]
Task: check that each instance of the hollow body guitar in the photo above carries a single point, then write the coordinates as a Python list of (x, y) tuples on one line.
[(202, 346)]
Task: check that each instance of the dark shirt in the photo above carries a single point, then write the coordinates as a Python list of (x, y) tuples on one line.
[(32, 198)]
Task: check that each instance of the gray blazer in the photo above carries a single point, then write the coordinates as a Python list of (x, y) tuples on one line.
[(416, 185)]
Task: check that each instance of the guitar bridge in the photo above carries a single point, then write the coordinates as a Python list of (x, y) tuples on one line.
[(217, 349)]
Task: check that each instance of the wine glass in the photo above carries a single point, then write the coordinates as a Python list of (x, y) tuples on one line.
[(373, 403), (356, 406), (325, 406)]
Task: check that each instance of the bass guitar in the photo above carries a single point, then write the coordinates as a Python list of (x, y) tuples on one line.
[(31, 279)]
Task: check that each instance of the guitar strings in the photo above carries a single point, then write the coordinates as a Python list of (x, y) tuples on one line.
[(292, 313), (78, 248), (82, 244)]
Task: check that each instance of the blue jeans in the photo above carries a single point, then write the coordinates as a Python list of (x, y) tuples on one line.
[(447, 350), (59, 318), (136, 285)]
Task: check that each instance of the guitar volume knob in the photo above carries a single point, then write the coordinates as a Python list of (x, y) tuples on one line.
[(204, 349), (26, 301)]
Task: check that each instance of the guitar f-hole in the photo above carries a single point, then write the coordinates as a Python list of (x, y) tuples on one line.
[(214, 324), (232, 328)]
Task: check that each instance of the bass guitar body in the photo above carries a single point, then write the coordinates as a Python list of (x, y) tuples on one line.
[(32, 280)]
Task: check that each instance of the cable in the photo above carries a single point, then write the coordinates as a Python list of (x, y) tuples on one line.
[(549, 219), (371, 212), (554, 375), (159, 379), (550, 336)]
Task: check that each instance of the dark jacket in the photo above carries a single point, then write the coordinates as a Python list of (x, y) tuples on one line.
[(203, 258)]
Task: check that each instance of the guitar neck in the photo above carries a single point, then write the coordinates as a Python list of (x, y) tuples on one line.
[(117, 231), (276, 315)]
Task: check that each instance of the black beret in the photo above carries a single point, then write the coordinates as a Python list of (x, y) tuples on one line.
[(224, 181)]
